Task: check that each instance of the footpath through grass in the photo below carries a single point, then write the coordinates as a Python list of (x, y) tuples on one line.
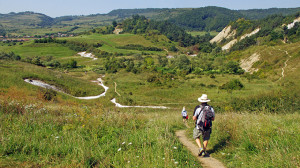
[(80, 136), (255, 140)]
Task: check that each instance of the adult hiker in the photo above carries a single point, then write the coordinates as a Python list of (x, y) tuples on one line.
[(184, 115), (203, 115)]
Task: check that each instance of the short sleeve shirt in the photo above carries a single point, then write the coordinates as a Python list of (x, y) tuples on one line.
[(198, 113)]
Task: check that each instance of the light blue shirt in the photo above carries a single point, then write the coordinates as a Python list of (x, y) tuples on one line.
[(184, 113)]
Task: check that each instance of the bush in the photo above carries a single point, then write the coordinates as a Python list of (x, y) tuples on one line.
[(9, 56), (49, 94), (232, 85)]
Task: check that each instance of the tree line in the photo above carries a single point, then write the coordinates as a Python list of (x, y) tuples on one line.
[(140, 24)]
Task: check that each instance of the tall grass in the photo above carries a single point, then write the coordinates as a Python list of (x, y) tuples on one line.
[(90, 137), (256, 140)]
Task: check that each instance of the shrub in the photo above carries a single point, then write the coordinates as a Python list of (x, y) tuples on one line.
[(232, 85), (49, 94), (9, 56)]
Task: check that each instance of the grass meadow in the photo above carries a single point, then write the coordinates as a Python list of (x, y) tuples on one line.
[(57, 135), (202, 33), (255, 139), (256, 126), (15, 72), (183, 91), (31, 49), (111, 42)]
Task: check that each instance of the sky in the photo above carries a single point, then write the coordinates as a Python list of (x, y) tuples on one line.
[(56, 8)]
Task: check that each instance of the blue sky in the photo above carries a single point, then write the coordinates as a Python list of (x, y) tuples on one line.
[(55, 8)]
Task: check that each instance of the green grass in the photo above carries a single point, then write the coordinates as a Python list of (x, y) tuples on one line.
[(86, 137), (31, 49), (202, 33), (112, 41), (256, 140), (67, 132), (73, 86), (271, 60), (181, 91)]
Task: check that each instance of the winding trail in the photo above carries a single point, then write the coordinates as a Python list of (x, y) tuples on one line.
[(207, 162), (285, 63), (48, 86), (99, 81)]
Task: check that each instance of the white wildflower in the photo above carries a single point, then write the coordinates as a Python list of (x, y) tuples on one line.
[(123, 143), (130, 143), (175, 147), (119, 149), (176, 162)]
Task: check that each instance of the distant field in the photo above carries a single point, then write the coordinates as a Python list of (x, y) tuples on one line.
[(112, 41), (182, 91), (202, 33), (31, 49)]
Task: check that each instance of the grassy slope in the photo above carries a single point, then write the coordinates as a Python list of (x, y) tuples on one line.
[(182, 91), (88, 135), (21, 71), (69, 132), (112, 41), (255, 140), (202, 33), (31, 49)]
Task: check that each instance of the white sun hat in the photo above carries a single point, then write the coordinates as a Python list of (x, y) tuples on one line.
[(203, 99)]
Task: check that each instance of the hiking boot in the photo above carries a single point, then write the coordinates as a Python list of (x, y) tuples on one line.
[(201, 151), (206, 154)]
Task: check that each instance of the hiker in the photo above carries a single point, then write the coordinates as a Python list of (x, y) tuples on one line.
[(203, 115), (184, 115)]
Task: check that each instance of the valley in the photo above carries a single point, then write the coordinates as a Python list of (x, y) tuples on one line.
[(100, 99)]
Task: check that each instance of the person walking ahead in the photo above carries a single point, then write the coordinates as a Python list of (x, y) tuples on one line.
[(203, 115), (184, 115)]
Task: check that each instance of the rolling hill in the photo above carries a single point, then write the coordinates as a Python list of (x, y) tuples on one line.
[(206, 18)]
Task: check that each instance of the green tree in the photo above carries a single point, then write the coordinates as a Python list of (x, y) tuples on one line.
[(148, 62), (114, 23)]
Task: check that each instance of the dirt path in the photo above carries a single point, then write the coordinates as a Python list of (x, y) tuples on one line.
[(285, 63), (207, 162)]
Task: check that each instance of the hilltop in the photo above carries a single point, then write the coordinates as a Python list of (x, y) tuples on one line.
[(200, 19)]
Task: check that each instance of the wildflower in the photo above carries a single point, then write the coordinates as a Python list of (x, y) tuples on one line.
[(137, 156), (176, 162), (119, 149), (175, 147), (128, 161), (163, 158), (56, 137), (123, 143), (130, 143)]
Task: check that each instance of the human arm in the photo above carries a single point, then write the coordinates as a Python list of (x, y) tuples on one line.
[(194, 118), (213, 119)]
